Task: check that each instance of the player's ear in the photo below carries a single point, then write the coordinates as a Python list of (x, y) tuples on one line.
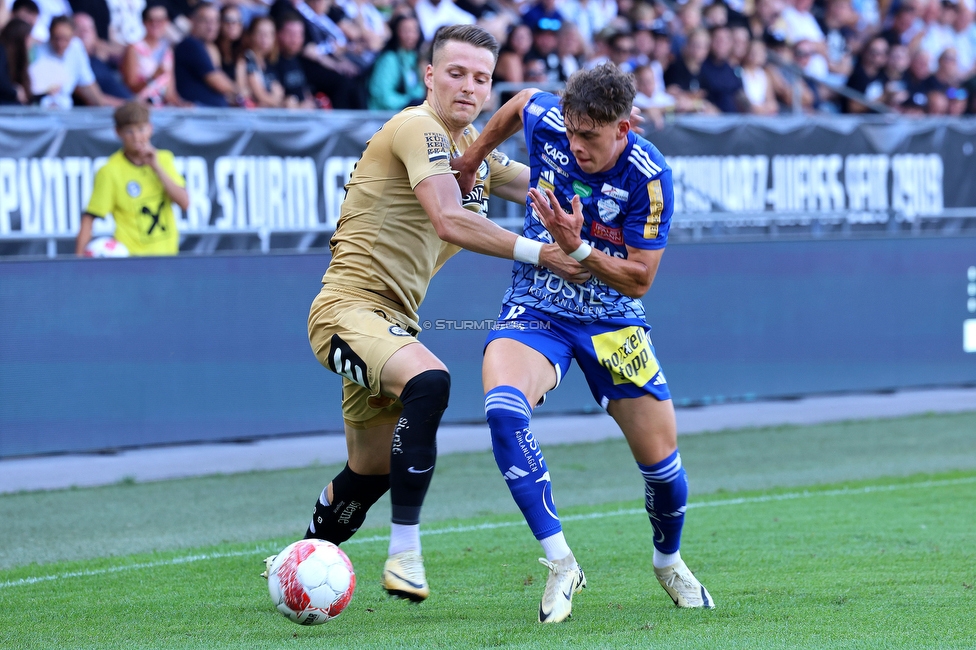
[(429, 77), (623, 128)]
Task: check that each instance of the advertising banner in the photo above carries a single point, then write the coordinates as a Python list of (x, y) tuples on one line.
[(276, 171)]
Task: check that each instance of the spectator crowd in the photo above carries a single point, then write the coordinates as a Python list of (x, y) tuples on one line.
[(701, 56)]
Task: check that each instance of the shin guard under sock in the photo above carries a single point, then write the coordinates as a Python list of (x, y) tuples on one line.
[(414, 451), (520, 459)]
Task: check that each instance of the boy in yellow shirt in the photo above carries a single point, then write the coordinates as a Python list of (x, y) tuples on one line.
[(138, 186)]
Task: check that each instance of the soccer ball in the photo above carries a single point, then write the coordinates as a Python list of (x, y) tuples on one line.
[(106, 247), (311, 581)]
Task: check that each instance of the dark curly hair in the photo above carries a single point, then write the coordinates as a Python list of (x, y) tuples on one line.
[(602, 95)]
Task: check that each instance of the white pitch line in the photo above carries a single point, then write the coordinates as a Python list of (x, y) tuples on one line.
[(787, 496)]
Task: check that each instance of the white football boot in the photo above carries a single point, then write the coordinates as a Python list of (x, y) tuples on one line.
[(404, 576), (565, 579), (683, 586)]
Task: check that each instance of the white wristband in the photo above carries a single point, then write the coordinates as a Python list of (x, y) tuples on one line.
[(582, 252), (527, 250)]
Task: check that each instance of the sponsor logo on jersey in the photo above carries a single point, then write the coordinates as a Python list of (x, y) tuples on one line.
[(438, 146), (557, 155), (500, 158), (552, 163), (584, 191), (396, 330), (615, 192), (652, 225), (133, 189), (535, 109), (608, 209), (547, 180), (476, 201), (612, 235)]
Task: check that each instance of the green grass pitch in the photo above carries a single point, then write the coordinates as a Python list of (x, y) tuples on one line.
[(868, 542)]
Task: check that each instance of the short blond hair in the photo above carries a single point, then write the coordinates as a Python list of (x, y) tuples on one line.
[(470, 34)]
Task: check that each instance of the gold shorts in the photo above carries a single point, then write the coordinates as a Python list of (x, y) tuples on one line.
[(353, 333)]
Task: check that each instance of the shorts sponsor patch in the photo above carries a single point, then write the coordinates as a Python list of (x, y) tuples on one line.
[(396, 330), (627, 356)]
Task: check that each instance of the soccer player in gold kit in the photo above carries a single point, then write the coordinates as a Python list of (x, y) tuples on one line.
[(402, 218)]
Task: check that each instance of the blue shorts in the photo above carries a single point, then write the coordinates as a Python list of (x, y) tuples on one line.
[(616, 356)]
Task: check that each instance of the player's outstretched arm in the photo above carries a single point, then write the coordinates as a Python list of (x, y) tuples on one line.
[(515, 189), (506, 122), (441, 199), (632, 276)]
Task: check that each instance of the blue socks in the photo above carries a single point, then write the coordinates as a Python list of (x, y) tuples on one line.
[(520, 460), (665, 499)]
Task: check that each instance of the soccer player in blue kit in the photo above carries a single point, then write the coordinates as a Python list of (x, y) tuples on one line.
[(604, 195)]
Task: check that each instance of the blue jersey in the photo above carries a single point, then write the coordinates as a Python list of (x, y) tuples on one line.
[(629, 205)]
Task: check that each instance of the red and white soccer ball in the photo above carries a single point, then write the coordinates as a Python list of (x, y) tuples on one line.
[(106, 247), (311, 581)]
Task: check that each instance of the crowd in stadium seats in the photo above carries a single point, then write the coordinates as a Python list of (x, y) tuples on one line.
[(700, 56)]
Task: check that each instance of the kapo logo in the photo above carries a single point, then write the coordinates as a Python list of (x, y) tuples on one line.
[(584, 191), (556, 154)]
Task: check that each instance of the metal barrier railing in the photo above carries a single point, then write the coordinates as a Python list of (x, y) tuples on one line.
[(796, 76)]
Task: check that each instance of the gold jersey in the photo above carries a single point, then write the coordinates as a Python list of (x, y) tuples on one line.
[(384, 240)]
